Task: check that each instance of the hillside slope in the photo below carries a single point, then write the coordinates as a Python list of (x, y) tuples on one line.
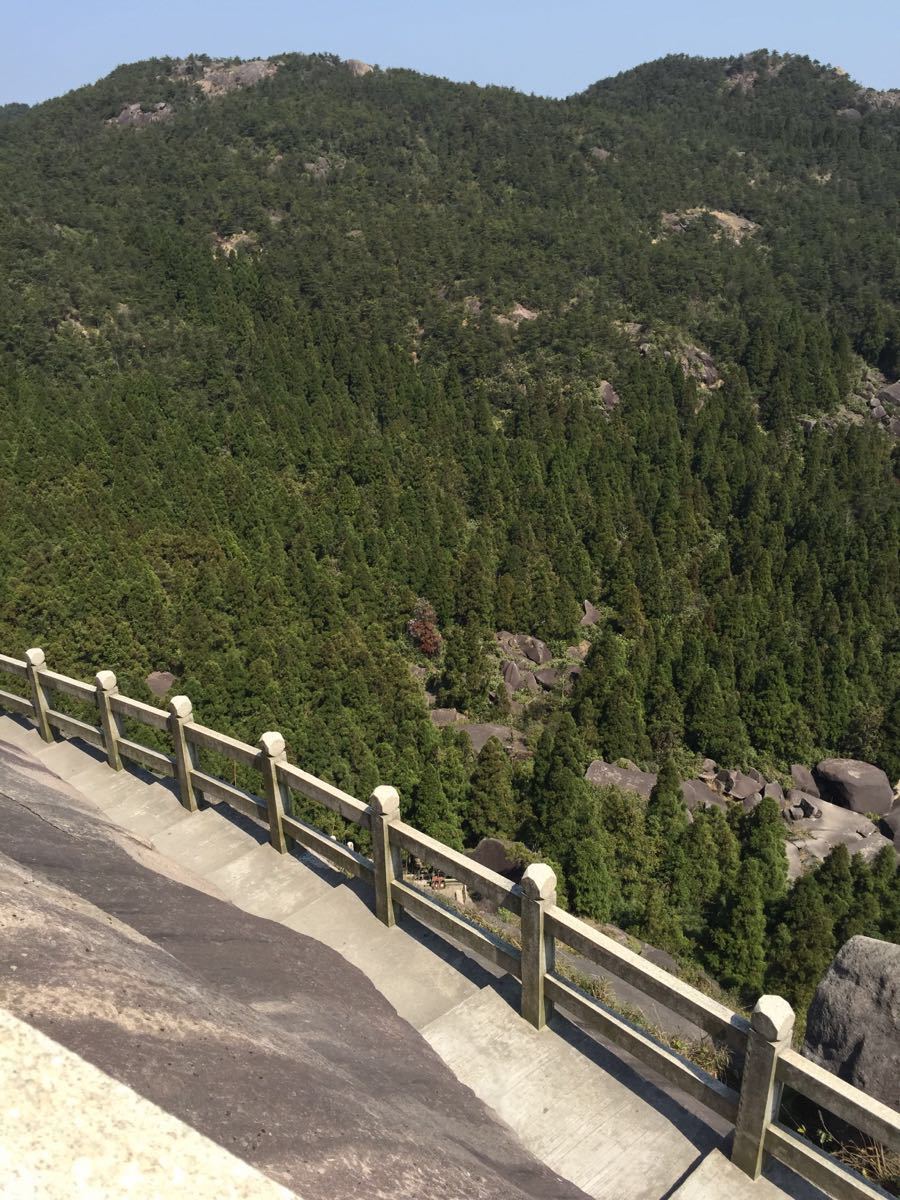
[(298, 358)]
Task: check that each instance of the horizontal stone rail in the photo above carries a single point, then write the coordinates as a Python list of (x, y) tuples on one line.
[(762, 1045), (717, 1020)]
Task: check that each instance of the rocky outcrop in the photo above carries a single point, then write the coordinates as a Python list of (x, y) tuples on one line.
[(730, 224), (358, 68), (522, 645), (217, 78), (856, 785), (510, 739), (591, 612), (834, 826), (890, 826), (741, 786), (801, 804), (442, 717), (803, 778), (160, 682), (548, 678), (603, 774), (853, 1027), (137, 116), (516, 315), (609, 397), (698, 794)]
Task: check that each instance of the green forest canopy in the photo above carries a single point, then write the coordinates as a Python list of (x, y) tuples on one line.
[(286, 364)]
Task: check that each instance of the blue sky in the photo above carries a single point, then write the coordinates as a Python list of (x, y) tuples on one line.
[(553, 47)]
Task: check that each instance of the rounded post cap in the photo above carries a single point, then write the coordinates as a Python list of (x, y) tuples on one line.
[(106, 680), (35, 657), (773, 1018), (272, 744), (181, 707), (539, 882), (385, 801)]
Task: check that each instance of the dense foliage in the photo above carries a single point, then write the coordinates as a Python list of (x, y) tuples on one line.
[(261, 469)]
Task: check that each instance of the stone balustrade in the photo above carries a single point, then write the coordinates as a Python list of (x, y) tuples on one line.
[(762, 1045)]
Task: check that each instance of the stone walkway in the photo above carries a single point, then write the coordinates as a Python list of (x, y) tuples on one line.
[(580, 1107)]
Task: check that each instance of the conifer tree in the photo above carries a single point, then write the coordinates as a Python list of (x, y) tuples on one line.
[(739, 954), (803, 944), (432, 812), (492, 810), (763, 838)]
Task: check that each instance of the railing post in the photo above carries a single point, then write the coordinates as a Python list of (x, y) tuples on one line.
[(180, 712), (106, 687), (771, 1027), (272, 752), (35, 659), (384, 808), (538, 947)]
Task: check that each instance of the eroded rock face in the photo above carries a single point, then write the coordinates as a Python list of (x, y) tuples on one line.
[(510, 739), (442, 717), (698, 794), (741, 786), (160, 682), (853, 1028), (548, 678), (835, 825), (533, 648), (856, 785), (512, 676), (357, 67), (136, 115), (591, 611), (803, 778), (890, 826), (604, 774), (217, 78)]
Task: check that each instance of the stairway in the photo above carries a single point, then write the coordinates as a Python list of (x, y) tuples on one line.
[(579, 1107)]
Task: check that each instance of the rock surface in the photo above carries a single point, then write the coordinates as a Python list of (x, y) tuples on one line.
[(853, 1028), (817, 836), (698, 794), (891, 826), (442, 717), (591, 612), (856, 785), (136, 115), (160, 682), (264, 1040), (510, 739), (803, 778), (548, 677), (604, 774)]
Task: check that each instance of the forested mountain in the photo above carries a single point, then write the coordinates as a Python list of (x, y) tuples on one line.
[(298, 353)]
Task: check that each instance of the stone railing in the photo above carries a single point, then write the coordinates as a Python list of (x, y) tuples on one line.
[(762, 1045)]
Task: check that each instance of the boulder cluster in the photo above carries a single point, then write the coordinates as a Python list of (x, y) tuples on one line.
[(838, 801)]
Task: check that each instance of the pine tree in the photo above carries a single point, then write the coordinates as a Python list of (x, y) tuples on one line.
[(763, 837), (492, 810), (803, 945), (432, 812), (739, 954)]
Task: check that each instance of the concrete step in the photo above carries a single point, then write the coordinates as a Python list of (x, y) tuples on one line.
[(145, 809), (716, 1178), (268, 884), (203, 843), (418, 973), (608, 1130)]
